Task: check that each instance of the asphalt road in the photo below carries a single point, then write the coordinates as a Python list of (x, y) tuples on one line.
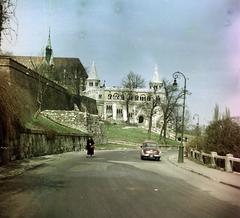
[(114, 184)]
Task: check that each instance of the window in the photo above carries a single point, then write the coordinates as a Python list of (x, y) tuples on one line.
[(109, 96), (131, 115), (119, 112), (100, 96), (90, 83), (130, 97), (96, 83), (136, 97), (149, 98), (115, 96), (142, 98), (109, 109)]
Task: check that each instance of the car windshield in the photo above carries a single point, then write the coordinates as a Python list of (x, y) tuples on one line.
[(149, 145)]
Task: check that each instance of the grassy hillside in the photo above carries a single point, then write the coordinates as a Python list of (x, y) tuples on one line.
[(42, 123), (132, 134)]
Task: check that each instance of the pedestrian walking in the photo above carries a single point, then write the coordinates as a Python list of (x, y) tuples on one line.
[(90, 147)]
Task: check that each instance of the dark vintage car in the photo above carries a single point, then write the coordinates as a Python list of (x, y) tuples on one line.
[(150, 150)]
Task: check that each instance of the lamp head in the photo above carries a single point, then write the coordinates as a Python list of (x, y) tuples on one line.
[(175, 83)]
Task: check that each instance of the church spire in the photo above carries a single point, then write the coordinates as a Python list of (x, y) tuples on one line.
[(155, 82), (49, 51), (49, 39), (156, 77), (93, 72)]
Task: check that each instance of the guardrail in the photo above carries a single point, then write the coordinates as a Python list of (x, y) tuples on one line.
[(227, 163)]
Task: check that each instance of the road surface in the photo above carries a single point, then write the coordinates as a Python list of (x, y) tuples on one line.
[(114, 184)]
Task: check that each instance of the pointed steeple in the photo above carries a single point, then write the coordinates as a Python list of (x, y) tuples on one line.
[(49, 51), (49, 39), (155, 82), (93, 72), (156, 77)]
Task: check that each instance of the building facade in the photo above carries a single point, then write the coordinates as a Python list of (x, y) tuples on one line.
[(111, 101)]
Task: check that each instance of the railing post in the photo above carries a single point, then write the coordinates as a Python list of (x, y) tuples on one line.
[(213, 155), (191, 151), (228, 165), (201, 156), (194, 154)]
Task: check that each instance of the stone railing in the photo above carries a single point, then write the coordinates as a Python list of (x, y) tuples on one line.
[(216, 161)]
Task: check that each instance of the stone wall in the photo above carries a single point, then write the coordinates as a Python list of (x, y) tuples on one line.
[(35, 143), (55, 97), (28, 81), (83, 121)]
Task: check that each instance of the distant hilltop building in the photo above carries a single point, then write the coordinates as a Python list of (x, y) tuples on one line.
[(111, 101), (68, 72)]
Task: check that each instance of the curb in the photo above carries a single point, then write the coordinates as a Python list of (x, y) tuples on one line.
[(201, 174), (12, 173)]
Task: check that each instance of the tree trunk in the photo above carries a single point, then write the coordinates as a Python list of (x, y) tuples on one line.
[(165, 130), (127, 107), (150, 124)]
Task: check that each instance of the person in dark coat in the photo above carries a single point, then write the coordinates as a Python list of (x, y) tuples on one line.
[(90, 146)]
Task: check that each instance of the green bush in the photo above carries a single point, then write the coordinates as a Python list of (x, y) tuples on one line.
[(222, 136)]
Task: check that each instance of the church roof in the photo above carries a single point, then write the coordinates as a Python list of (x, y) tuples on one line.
[(59, 62)]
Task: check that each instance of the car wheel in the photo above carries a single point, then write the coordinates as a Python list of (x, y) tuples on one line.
[(142, 158), (158, 158)]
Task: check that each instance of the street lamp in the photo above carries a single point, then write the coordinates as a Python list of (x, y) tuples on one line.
[(176, 75), (197, 127)]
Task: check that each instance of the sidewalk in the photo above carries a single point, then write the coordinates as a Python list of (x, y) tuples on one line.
[(18, 167), (231, 179)]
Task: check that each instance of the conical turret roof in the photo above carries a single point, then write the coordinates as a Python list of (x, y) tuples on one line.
[(93, 73), (156, 76)]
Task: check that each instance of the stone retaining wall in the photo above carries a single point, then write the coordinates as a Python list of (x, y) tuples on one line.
[(35, 143), (85, 122)]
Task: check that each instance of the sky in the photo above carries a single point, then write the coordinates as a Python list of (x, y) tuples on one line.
[(198, 38)]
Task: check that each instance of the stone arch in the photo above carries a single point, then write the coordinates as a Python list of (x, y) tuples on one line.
[(141, 119)]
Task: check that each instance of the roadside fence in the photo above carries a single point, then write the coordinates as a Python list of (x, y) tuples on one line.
[(227, 163)]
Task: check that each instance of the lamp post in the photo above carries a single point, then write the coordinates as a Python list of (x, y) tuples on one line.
[(197, 128), (176, 75)]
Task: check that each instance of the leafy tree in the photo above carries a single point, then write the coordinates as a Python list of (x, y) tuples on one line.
[(131, 82), (227, 113), (223, 136), (216, 114)]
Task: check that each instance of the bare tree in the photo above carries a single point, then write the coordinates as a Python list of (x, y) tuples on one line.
[(168, 105), (151, 106), (177, 120), (7, 19), (130, 83), (42, 69)]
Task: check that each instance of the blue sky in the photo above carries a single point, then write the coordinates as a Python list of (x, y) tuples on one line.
[(194, 37)]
